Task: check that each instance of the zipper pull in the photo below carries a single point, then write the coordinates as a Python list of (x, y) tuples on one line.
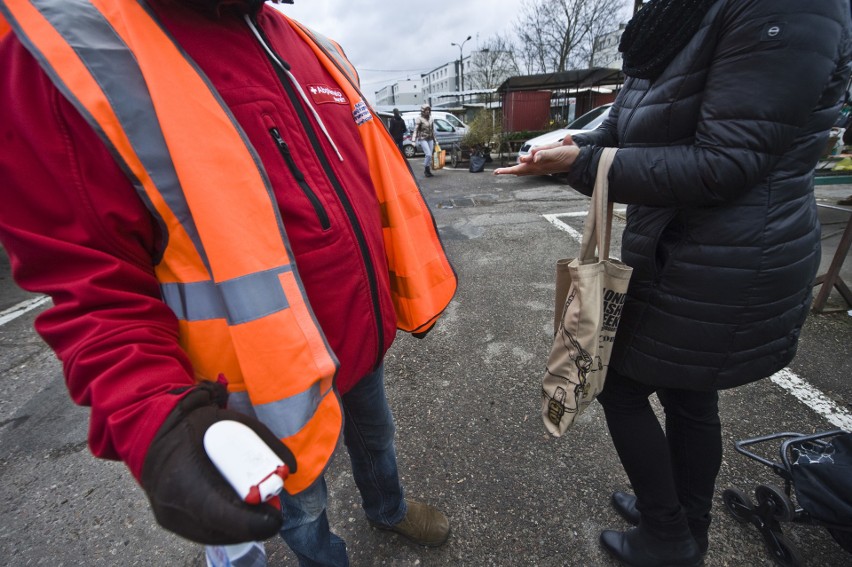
[(276, 135), (285, 149)]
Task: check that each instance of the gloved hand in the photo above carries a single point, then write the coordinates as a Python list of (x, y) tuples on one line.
[(187, 493)]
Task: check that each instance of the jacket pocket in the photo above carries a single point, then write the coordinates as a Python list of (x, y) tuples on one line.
[(670, 239), (284, 150)]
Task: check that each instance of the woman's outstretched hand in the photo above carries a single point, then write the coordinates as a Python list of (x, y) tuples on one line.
[(545, 160)]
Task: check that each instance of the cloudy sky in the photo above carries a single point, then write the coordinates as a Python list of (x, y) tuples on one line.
[(389, 41)]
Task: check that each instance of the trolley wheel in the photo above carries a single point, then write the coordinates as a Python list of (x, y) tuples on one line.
[(738, 504), (780, 505), (784, 553)]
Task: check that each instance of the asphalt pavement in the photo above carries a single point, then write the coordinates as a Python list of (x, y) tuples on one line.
[(466, 402)]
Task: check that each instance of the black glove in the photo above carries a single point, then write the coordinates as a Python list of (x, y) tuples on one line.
[(188, 495)]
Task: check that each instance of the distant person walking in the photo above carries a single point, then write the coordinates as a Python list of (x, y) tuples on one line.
[(724, 113), (397, 130), (424, 136)]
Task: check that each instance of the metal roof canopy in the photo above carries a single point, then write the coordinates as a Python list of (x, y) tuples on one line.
[(574, 79)]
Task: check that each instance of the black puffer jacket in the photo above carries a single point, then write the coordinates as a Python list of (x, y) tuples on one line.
[(716, 163)]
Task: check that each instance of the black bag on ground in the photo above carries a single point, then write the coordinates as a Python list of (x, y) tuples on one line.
[(477, 163), (822, 475)]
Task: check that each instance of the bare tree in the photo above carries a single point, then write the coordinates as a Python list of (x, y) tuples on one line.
[(557, 35), (530, 28), (493, 63)]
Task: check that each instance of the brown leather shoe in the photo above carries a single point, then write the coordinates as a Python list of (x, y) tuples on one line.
[(423, 524)]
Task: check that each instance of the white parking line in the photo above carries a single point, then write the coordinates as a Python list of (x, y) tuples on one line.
[(554, 220), (813, 398), (17, 310)]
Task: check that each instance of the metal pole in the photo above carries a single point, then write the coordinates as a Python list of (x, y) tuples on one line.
[(461, 66)]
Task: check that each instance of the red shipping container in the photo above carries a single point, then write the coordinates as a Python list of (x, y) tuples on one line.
[(526, 110), (588, 100)]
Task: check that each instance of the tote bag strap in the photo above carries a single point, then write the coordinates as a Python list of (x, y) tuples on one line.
[(598, 227)]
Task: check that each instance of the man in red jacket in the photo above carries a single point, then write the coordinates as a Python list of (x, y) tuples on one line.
[(154, 241)]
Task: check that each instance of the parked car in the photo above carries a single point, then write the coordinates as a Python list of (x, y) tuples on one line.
[(589, 121), (445, 134)]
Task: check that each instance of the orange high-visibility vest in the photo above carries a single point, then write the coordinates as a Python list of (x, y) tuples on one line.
[(241, 315), (421, 278)]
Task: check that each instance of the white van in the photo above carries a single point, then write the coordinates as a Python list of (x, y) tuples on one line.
[(459, 126)]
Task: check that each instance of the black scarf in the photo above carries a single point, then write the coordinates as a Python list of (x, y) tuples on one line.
[(657, 32)]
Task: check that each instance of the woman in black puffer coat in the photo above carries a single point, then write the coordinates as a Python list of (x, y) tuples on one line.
[(725, 111)]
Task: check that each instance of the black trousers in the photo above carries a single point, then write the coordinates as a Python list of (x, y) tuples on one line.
[(672, 471)]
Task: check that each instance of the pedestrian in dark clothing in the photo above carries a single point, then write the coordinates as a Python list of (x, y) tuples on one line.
[(722, 234), (397, 130)]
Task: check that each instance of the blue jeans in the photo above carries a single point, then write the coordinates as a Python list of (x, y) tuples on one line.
[(427, 146), (368, 432)]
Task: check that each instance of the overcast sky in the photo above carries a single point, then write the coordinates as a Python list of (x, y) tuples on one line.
[(389, 41)]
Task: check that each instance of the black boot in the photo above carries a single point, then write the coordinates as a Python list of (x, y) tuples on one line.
[(625, 505), (699, 529), (637, 547), (427, 172)]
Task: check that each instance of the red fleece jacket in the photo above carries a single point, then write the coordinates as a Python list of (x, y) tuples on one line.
[(75, 229)]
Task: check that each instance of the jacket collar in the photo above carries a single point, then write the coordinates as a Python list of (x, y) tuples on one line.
[(215, 8)]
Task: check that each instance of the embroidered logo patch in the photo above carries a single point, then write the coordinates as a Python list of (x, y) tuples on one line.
[(323, 94), (773, 31), (361, 113)]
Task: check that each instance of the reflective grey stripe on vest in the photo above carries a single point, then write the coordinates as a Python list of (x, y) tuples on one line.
[(332, 51), (114, 68), (239, 300), (284, 418)]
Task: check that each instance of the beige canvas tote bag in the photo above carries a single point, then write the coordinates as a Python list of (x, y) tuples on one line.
[(590, 292)]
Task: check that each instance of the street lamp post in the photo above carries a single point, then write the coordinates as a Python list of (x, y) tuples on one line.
[(461, 64)]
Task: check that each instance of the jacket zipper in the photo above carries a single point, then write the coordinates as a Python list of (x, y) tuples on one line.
[(322, 215), (338, 189)]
